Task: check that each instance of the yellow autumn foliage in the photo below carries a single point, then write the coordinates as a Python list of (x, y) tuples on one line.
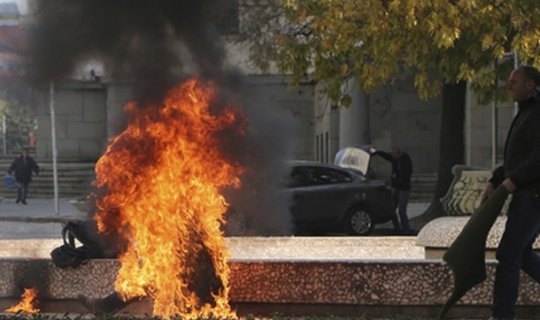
[(437, 41)]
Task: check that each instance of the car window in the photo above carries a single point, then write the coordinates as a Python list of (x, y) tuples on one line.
[(309, 176), (358, 176), (300, 177)]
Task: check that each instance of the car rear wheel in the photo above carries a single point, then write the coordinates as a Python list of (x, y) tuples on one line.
[(359, 221)]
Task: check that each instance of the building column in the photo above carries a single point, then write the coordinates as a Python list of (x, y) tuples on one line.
[(354, 120)]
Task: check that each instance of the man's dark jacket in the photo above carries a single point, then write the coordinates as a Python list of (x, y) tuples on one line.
[(402, 169), (23, 169), (522, 149)]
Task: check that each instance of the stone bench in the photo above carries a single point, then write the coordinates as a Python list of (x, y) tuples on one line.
[(296, 276), (461, 200), (440, 233), (360, 288)]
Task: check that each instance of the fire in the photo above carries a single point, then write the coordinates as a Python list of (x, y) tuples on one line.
[(163, 176), (27, 304)]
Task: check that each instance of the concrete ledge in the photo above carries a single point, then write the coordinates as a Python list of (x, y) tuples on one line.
[(264, 248), (440, 233), (368, 283), (289, 275)]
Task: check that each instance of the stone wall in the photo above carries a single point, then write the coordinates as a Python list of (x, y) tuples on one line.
[(81, 119), (343, 283), (281, 114), (398, 117), (478, 132), (88, 113), (389, 116)]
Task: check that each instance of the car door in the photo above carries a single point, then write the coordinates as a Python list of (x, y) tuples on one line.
[(319, 195)]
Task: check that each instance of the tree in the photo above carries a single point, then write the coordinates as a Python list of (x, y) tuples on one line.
[(17, 101), (442, 44)]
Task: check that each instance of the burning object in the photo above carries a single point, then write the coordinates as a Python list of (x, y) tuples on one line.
[(27, 304), (162, 179)]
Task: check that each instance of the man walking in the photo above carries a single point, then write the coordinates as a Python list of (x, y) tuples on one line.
[(402, 169), (520, 175), (22, 167)]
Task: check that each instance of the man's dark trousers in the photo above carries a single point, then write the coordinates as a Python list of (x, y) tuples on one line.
[(515, 252), (22, 191), (400, 198)]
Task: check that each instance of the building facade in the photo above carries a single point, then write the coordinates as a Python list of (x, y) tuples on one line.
[(389, 116)]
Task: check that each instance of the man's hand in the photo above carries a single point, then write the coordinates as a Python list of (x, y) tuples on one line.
[(509, 185), (487, 192)]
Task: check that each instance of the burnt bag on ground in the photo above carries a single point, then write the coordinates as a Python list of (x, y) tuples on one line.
[(82, 242)]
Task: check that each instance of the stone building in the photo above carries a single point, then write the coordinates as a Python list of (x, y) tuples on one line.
[(89, 113), (395, 116)]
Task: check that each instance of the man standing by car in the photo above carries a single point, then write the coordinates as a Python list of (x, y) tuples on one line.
[(402, 169), (520, 175)]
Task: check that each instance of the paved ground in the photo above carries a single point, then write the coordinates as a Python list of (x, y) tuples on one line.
[(33, 230), (414, 209), (36, 220)]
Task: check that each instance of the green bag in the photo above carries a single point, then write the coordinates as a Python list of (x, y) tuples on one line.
[(466, 255)]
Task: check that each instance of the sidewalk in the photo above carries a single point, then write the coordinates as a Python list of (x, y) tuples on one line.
[(33, 230), (414, 209), (39, 210), (36, 220), (42, 211)]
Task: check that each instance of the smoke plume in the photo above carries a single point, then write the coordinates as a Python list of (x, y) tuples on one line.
[(147, 42), (261, 206), (154, 44)]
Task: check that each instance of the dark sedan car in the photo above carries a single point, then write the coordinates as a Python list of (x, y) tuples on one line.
[(328, 198)]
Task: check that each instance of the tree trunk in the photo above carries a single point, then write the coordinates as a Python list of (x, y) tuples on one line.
[(451, 149)]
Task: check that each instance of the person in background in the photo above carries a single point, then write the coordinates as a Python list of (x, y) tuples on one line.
[(23, 167), (519, 175), (402, 169), (32, 138)]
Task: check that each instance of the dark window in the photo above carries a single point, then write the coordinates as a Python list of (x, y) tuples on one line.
[(327, 151), (328, 176), (297, 178), (321, 158), (311, 176), (317, 147)]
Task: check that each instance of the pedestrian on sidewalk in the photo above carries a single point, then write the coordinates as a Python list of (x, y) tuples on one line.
[(402, 169), (23, 167)]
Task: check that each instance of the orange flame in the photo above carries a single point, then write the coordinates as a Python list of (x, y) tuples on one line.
[(27, 304), (163, 176)]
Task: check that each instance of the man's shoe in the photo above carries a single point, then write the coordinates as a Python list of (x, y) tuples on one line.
[(17, 201), (24, 202), (110, 304)]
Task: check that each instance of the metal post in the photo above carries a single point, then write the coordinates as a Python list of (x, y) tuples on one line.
[(54, 152), (4, 133), (494, 119), (468, 125)]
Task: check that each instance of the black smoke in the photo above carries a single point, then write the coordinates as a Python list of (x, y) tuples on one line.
[(153, 45), (146, 42), (261, 206)]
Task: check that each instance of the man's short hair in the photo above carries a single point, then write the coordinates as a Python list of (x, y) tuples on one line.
[(531, 73)]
